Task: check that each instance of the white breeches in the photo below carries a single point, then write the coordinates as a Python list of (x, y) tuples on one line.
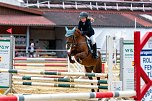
[(92, 38)]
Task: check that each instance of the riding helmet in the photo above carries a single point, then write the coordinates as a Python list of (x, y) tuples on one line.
[(83, 15)]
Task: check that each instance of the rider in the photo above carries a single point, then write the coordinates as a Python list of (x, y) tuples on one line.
[(86, 29)]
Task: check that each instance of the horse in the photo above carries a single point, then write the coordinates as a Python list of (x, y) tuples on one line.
[(77, 46)]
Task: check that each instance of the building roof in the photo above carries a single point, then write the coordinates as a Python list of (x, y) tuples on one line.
[(106, 13), (18, 16), (102, 18), (25, 20)]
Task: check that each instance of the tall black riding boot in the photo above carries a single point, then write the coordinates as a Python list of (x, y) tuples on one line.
[(95, 51)]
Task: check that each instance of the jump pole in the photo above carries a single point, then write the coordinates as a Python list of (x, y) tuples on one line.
[(60, 85), (14, 71), (41, 65), (60, 79), (67, 96), (41, 59)]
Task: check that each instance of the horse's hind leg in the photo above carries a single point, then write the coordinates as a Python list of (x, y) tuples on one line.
[(98, 78), (89, 70), (97, 69)]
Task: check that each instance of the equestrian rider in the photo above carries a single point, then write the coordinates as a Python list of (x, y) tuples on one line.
[(86, 29)]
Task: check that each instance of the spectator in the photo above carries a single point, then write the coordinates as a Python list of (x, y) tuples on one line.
[(31, 50)]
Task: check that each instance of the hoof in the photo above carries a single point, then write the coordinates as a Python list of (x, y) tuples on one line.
[(92, 90), (72, 61), (98, 90), (79, 61)]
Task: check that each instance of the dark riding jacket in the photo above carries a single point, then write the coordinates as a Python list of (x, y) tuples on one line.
[(86, 28)]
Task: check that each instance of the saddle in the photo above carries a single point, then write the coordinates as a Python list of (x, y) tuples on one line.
[(90, 46)]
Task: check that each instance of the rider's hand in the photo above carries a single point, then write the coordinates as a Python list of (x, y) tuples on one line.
[(91, 19)]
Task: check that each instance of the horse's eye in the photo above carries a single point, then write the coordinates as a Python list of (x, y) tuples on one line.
[(68, 43), (70, 36)]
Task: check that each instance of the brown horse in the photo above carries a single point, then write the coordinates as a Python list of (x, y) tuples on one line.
[(77, 46)]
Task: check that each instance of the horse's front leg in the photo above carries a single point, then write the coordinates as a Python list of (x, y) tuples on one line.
[(80, 56), (70, 58)]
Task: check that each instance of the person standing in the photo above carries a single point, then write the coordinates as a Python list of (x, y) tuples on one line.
[(31, 50)]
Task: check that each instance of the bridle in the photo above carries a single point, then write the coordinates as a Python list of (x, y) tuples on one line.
[(74, 42)]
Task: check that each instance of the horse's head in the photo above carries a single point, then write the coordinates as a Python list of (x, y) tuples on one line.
[(71, 37)]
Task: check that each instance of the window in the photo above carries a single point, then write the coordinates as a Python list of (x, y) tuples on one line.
[(20, 40)]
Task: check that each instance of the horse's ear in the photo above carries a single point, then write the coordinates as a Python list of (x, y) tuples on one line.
[(66, 28)]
